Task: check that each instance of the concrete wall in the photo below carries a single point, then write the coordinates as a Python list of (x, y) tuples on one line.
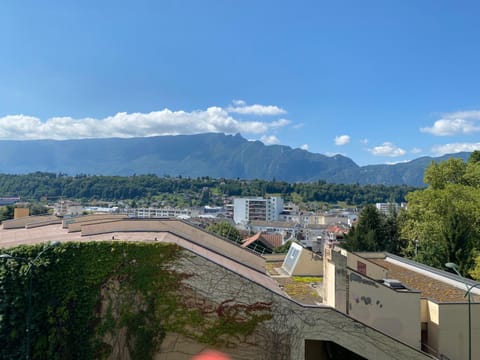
[(285, 335), (334, 262), (374, 271), (43, 223), (396, 313), (85, 218), (77, 226), (453, 330), (329, 283), (177, 227), (22, 222)]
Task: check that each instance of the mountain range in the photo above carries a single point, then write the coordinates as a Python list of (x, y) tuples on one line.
[(211, 154)]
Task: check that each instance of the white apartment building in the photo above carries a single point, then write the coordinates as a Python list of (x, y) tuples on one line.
[(67, 207), (246, 209), (385, 208), (149, 213)]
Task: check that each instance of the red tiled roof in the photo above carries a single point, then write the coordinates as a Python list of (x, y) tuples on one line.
[(251, 239), (337, 229), (274, 240), (269, 240)]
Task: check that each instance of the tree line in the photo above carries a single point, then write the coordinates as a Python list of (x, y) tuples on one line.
[(200, 191), (441, 223)]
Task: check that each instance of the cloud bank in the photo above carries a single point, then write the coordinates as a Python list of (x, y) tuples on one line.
[(163, 122), (455, 148), (456, 123), (387, 149), (261, 110)]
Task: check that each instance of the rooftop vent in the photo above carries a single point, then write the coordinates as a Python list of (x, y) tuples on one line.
[(394, 284)]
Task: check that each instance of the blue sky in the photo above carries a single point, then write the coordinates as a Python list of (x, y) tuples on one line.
[(377, 81)]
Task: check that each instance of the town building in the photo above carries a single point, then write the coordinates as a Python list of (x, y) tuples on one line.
[(287, 230), (166, 212), (387, 208), (424, 307), (67, 208), (247, 209)]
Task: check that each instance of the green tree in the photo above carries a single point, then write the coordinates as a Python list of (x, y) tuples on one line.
[(474, 157), (475, 271), (444, 219), (283, 249), (368, 233), (38, 209), (6, 212), (226, 230), (451, 171), (393, 243), (459, 236)]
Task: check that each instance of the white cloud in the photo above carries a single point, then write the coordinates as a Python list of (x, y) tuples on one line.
[(397, 162), (239, 103), (304, 147), (333, 154), (240, 107), (455, 148), (342, 140), (124, 125), (387, 149), (298, 126), (364, 141), (456, 123), (416, 150), (269, 140)]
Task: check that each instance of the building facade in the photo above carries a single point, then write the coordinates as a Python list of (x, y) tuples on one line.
[(246, 209), (423, 307)]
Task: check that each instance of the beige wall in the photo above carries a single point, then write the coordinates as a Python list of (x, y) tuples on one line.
[(447, 325), (43, 223), (77, 226), (373, 270), (396, 313), (431, 316), (20, 212), (329, 284), (22, 222), (78, 219), (309, 264), (453, 330)]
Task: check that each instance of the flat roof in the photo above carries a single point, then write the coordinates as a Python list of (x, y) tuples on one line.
[(429, 287)]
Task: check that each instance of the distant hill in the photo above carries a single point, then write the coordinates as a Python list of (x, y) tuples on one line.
[(215, 155)]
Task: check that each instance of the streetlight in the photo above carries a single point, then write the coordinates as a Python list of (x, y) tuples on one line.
[(31, 264), (453, 266)]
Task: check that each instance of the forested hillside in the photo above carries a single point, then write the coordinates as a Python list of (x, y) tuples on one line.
[(197, 191)]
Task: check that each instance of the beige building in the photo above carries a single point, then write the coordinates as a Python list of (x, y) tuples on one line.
[(20, 212), (419, 305)]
